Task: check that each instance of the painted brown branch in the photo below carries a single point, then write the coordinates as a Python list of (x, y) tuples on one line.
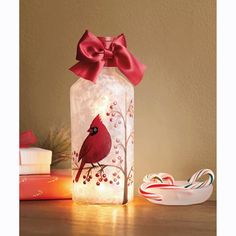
[(75, 164), (129, 109), (101, 167), (123, 147), (89, 171), (131, 135), (130, 171), (122, 117), (125, 195)]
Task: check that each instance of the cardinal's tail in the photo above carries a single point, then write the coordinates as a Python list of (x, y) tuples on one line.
[(79, 171)]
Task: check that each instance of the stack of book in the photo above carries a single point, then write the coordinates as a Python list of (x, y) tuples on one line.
[(37, 181)]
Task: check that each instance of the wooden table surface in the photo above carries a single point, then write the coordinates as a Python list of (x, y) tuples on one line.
[(63, 217)]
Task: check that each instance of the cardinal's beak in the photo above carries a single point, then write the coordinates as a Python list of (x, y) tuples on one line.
[(89, 130)]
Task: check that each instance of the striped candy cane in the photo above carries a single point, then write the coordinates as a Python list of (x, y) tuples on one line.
[(193, 184), (166, 181), (161, 180), (161, 177)]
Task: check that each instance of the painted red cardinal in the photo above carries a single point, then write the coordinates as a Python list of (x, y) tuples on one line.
[(96, 146)]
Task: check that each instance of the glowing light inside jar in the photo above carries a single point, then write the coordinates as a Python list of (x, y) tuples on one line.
[(110, 180)]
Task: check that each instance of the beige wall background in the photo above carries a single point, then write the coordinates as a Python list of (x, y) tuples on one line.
[(175, 120)]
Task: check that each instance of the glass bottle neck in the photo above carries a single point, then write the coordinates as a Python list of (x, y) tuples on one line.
[(108, 70)]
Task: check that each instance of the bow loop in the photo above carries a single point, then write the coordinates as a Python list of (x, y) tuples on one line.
[(93, 53), (120, 40), (89, 48)]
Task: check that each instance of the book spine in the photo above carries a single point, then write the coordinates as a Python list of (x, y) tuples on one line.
[(38, 187)]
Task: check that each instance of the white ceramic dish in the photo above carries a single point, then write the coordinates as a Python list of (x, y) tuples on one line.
[(163, 189), (182, 196)]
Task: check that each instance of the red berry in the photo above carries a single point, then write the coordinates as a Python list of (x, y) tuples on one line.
[(105, 179), (108, 113), (111, 119), (114, 174), (115, 179), (115, 125), (97, 175), (113, 160), (114, 102), (104, 175), (90, 176), (88, 179), (111, 107), (118, 176), (113, 114), (84, 177), (111, 182), (118, 183), (100, 179), (84, 182), (97, 183)]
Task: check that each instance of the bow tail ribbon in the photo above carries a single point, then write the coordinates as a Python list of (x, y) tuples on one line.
[(88, 71), (129, 65)]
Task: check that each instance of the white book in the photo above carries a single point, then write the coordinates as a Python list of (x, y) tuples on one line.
[(35, 156), (34, 169)]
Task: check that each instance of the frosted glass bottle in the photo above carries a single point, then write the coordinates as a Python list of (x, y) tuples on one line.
[(102, 130)]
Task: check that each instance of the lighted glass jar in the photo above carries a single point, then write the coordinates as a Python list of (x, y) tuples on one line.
[(108, 103)]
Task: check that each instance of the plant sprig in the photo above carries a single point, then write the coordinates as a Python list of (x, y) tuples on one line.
[(58, 141)]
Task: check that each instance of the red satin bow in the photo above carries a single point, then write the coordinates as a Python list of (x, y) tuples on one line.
[(93, 53), (27, 138)]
